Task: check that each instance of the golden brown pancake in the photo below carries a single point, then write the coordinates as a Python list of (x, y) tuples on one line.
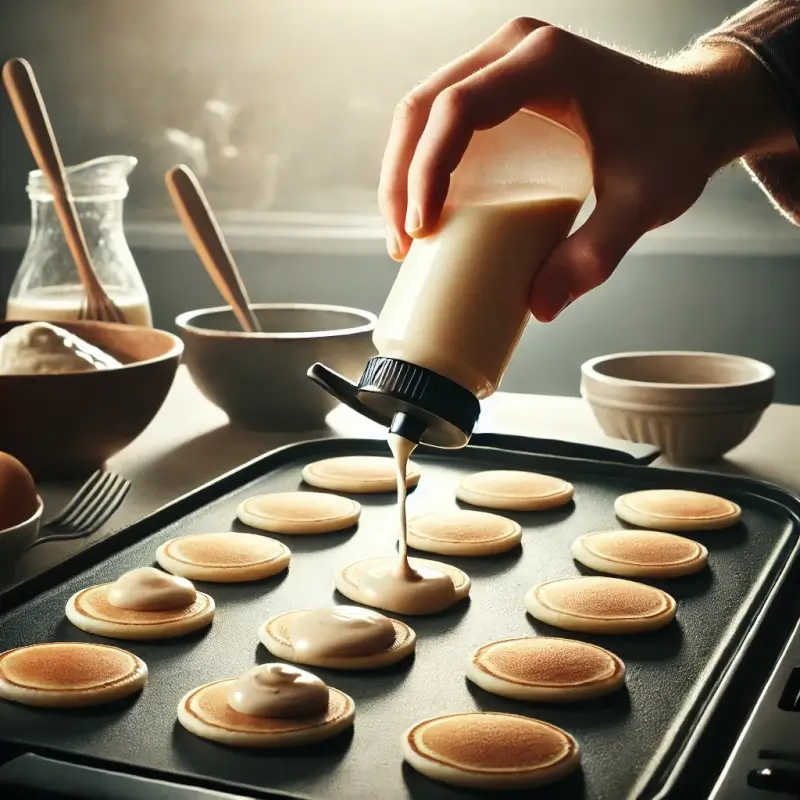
[(90, 611), (358, 474), (299, 512), (640, 554), (463, 533), (224, 557), (69, 674), (600, 605), (490, 751), (205, 712), (514, 490), (348, 579), (274, 634), (677, 510), (545, 669)]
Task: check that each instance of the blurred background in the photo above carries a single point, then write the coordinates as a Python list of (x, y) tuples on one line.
[(282, 108)]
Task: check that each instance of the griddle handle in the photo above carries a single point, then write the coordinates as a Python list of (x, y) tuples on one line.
[(35, 777), (624, 452)]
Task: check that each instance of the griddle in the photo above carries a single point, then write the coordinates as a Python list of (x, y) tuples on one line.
[(689, 686)]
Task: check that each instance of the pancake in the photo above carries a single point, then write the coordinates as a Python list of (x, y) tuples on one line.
[(90, 610), (69, 674), (348, 580), (463, 533), (358, 474), (545, 669), (600, 605), (274, 634), (299, 512), (205, 713), (677, 510), (514, 490), (486, 750), (224, 557), (640, 554)]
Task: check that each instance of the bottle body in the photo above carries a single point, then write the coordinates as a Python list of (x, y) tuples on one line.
[(459, 304), (46, 286)]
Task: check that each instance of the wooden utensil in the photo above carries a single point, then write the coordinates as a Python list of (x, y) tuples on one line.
[(209, 243), (20, 82)]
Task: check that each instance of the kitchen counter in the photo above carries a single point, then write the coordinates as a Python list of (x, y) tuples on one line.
[(190, 443)]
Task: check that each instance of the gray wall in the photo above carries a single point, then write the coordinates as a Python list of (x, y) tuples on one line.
[(707, 284), (745, 305)]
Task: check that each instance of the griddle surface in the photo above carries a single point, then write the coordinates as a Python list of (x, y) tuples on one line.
[(626, 738)]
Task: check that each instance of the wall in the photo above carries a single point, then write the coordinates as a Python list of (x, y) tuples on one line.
[(725, 277)]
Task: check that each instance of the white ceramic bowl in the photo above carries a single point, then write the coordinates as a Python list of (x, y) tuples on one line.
[(693, 406), (15, 541)]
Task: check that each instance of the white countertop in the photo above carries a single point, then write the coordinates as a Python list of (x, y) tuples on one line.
[(190, 443)]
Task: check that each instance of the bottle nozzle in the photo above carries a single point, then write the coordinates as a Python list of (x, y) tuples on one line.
[(408, 427)]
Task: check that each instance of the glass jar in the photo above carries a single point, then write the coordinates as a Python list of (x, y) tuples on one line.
[(47, 286)]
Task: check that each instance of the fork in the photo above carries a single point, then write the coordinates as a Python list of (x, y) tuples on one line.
[(89, 509)]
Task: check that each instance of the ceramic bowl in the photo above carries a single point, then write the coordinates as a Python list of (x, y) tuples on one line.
[(15, 541), (67, 425), (693, 406), (259, 379)]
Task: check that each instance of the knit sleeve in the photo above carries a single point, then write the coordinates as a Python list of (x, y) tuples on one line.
[(770, 31)]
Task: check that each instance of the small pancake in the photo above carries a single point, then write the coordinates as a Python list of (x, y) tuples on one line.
[(677, 510), (487, 750), (640, 554), (90, 611), (463, 533), (299, 512), (514, 490), (224, 557), (205, 713), (274, 635), (69, 674), (545, 669), (358, 474), (600, 605), (347, 578)]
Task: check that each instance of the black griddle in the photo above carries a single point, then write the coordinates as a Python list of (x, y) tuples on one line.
[(689, 685)]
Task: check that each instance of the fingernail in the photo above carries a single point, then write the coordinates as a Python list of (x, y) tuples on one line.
[(413, 222), (557, 298), (392, 246)]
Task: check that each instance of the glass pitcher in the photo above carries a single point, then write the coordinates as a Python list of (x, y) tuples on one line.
[(47, 286)]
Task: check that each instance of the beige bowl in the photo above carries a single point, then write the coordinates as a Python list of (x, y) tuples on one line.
[(67, 425), (259, 379), (693, 406), (15, 541)]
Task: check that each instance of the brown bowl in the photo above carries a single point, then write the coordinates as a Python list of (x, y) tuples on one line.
[(259, 379), (67, 425)]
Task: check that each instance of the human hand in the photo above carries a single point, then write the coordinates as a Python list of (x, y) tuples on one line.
[(657, 132)]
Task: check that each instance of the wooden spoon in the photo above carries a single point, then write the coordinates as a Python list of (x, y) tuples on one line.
[(20, 82), (209, 243)]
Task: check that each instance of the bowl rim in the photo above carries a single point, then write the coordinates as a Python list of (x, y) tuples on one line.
[(183, 321), (175, 350), (33, 519), (763, 372)]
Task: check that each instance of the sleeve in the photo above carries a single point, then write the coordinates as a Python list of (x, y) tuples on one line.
[(770, 31)]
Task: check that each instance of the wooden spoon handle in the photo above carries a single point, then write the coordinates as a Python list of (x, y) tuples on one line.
[(20, 82), (209, 244)]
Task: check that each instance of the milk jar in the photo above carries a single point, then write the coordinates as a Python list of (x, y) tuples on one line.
[(47, 286)]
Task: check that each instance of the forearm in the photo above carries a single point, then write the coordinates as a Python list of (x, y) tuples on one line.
[(767, 34)]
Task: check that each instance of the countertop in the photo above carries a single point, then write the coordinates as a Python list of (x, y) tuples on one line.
[(190, 443)]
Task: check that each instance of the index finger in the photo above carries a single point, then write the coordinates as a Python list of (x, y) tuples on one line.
[(411, 117)]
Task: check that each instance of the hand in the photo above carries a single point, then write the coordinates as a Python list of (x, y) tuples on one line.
[(657, 133)]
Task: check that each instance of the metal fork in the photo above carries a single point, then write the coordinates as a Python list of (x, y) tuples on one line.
[(89, 509)]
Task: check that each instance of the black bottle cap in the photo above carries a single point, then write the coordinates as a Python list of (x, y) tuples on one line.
[(412, 401)]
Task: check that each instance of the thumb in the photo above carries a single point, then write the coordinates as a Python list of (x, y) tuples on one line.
[(587, 258)]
